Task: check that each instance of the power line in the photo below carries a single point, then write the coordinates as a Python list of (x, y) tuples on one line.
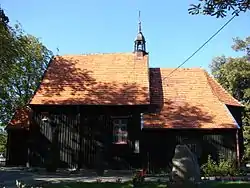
[(200, 47)]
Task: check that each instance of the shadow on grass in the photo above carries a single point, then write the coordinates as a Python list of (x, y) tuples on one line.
[(147, 185), (104, 185)]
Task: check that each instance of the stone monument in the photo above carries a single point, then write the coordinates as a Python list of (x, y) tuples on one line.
[(186, 170)]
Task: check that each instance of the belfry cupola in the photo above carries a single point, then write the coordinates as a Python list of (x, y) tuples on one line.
[(140, 42)]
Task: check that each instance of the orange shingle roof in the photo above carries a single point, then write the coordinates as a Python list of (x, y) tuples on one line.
[(188, 98), (221, 93), (105, 79), (21, 118)]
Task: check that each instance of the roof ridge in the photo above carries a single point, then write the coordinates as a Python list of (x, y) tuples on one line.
[(219, 85), (206, 74), (86, 54), (209, 86), (96, 74), (168, 68)]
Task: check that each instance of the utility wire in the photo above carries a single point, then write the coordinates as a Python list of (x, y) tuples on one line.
[(217, 32)]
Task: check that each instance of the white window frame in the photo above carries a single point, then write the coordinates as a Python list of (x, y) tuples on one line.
[(120, 130)]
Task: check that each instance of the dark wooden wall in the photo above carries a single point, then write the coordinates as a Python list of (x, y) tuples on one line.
[(237, 114), (83, 138), (158, 146), (17, 147)]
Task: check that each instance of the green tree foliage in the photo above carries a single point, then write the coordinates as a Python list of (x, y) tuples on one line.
[(219, 8), (234, 75), (23, 60), (7, 44), (242, 45), (3, 141)]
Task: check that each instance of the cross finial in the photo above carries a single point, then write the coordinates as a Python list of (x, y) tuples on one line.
[(139, 21), (57, 50)]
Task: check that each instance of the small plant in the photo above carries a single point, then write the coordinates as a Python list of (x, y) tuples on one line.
[(19, 184), (118, 180), (98, 180), (221, 168), (139, 178), (158, 180)]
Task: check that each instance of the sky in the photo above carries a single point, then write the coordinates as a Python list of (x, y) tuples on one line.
[(98, 26)]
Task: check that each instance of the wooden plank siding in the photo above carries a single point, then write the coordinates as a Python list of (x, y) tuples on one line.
[(17, 150), (84, 138), (158, 146), (237, 114)]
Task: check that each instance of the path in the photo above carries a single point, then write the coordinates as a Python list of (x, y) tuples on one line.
[(8, 177)]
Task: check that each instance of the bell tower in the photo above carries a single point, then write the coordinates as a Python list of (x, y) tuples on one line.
[(140, 42)]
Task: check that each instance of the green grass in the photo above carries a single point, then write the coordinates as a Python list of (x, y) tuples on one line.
[(228, 185), (148, 185), (103, 185)]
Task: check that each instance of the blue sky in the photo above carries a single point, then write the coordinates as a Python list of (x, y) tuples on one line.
[(93, 26)]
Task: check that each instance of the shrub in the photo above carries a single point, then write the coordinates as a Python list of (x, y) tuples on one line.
[(118, 180), (98, 180), (20, 184), (224, 167), (138, 178)]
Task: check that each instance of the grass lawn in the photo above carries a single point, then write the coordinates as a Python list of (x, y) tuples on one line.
[(103, 185), (227, 185), (148, 185)]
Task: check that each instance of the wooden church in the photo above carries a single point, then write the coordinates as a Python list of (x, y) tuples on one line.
[(112, 111)]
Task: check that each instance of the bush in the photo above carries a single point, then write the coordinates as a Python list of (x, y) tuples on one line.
[(138, 178), (222, 168), (20, 184)]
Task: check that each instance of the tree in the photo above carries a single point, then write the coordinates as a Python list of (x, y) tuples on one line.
[(23, 60), (7, 41), (242, 45), (234, 75), (219, 8), (4, 20), (3, 141)]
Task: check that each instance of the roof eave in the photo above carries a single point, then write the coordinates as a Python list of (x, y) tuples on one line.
[(229, 113)]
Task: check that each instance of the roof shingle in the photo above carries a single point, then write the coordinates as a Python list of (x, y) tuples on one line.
[(187, 99), (21, 118), (104, 79), (221, 93)]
